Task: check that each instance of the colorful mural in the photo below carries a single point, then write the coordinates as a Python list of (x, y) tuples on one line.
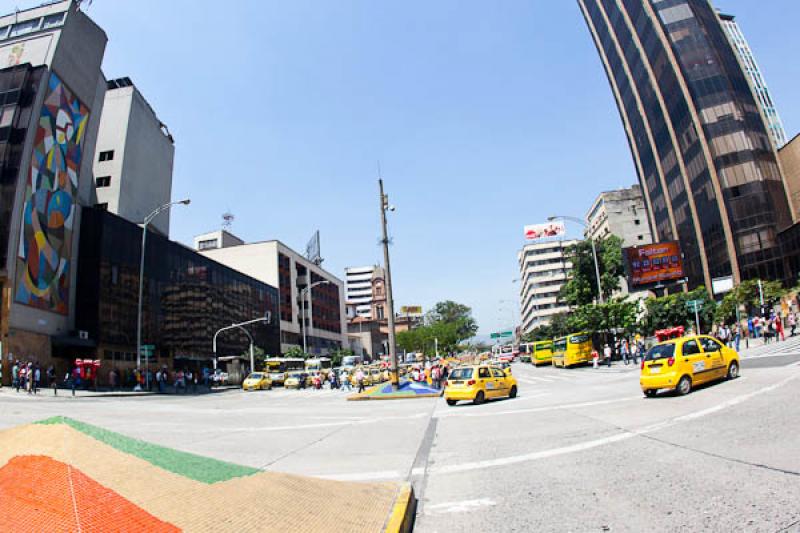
[(44, 258)]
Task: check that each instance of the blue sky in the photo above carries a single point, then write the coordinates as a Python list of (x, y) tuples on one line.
[(485, 116)]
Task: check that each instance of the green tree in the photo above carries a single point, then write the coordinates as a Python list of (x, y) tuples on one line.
[(450, 312), (581, 287), (747, 294), (670, 311), (296, 352)]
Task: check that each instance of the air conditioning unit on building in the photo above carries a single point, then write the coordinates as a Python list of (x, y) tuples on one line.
[(83, 335)]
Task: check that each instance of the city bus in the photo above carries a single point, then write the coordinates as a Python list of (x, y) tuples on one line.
[(351, 361), (572, 350), (322, 365), (279, 367), (541, 352)]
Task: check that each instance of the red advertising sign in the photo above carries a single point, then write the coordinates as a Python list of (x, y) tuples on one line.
[(654, 263)]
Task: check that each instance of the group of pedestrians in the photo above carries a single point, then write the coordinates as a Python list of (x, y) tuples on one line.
[(771, 327), (29, 376), (629, 350)]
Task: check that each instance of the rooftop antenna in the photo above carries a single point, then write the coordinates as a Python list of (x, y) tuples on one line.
[(227, 220)]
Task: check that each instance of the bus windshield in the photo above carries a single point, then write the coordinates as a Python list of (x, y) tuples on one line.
[(282, 364), (560, 345), (351, 360)]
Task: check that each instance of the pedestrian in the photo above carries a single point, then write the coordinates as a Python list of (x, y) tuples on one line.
[(112, 380), (624, 351), (37, 377), (346, 380), (51, 379), (360, 380), (792, 324), (607, 353), (595, 358), (435, 376), (737, 335), (15, 375), (750, 327), (779, 328), (757, 326)]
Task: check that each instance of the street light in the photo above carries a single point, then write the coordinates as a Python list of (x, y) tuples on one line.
[(147, 220), (386, 206), (594, 251), (303, 292)]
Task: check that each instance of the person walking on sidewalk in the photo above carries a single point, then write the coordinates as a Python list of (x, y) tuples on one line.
[(360, 380), (51, 379), (792, 324), (15, 376), (607, 353)]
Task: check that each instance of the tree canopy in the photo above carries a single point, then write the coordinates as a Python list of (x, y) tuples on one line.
[(581, 287), (448, 322)]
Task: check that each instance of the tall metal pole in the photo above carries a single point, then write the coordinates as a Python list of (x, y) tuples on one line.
[(597, 271), (303, 315), (384, 205)]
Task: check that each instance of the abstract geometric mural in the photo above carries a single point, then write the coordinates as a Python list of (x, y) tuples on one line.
[(44, 258)]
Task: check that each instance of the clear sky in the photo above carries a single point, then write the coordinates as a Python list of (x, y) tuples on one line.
[(485, 116)]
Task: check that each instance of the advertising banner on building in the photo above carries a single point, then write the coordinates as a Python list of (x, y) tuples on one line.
[(654, 263), (411, 310), (549, 230)]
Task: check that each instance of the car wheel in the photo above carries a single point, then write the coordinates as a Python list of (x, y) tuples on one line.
[(650, 393), (733, 370), (479, 398), (684, 385), (513, 393), (451, 402)]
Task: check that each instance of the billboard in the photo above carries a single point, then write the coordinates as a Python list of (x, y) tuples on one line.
[(411, 310), (537, 232), (313, 252), (654, 263)]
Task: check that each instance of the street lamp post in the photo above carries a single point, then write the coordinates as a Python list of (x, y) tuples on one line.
[(303, 292), (594, 252), (240, 325), (384, 204), (147, 220)]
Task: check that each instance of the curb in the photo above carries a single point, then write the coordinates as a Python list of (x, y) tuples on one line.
[(364, 398), (401, 520)]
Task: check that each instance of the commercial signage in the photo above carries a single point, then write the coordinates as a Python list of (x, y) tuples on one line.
[(654, 263), (411, 310), (549, 230)]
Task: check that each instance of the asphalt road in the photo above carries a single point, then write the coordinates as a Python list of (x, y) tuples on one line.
[(578, 450)]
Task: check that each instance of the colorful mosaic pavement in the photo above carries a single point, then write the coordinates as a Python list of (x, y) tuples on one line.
[(408, 390), (66, 475)]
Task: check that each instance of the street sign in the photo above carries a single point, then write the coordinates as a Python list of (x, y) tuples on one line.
[(501, 334), (694, 303), (148, 350)]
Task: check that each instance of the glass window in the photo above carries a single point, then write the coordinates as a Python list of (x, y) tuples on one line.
[(483, 373), (103, 181), (661, 351), (108, 155), (22, 28), (51, 21), (690, 348), (711, 345), (498, 373)]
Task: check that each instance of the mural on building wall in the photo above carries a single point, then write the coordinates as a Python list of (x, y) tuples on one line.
[(44, 258)]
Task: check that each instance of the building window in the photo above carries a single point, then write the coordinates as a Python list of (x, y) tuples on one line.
[(114, 274), (24, 27), (108, 155), (207, 244), (641, 237), (51, 21), (103, 206), (103, 181), (637, 222), (379, 309)]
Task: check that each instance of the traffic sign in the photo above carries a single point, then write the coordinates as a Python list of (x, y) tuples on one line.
[(694, 303), (148, 350), (501, 334)]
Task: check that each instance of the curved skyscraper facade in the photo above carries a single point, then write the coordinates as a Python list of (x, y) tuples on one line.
[(696, 133)]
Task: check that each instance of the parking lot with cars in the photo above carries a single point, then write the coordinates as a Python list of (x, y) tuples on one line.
[(578, 449)]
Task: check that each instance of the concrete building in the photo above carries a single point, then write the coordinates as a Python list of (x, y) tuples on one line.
[(543, 271), (216, 239), (699, 141), (133, 161), (759, 86), (622, 213), (274, 263), (789, 157), (366, 294), (53, 91)]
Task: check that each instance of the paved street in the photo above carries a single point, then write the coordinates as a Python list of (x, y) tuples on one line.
[(578, 450)]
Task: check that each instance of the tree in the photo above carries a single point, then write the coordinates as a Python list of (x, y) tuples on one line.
[(581, 287), (670, 311), (448, 323), (450, 312), (296, 352), (748, 295)]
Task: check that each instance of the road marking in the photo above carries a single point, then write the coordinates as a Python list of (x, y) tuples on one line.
[(535, 380), (459, 507), (628, 434), (362, 476), (327, 424), (537, 409)]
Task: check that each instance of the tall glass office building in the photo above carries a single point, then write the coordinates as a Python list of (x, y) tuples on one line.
[(698, 139)]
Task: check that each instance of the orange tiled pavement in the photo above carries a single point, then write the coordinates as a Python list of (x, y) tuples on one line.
[(38, 493)]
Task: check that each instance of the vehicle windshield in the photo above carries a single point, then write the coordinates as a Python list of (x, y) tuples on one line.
[(256, 375), (577, 339), (543, 347), (661, 351), (295, 374), (560, 345), (461, 373)]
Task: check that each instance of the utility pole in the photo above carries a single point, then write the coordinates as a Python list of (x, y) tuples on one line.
[(384, 204)]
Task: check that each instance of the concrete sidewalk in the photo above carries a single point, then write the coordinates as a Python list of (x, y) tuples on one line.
[(86, 393)]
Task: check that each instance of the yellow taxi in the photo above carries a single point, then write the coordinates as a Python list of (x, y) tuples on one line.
[(686, 362), (257, 381), (293, 379), (478, 383)]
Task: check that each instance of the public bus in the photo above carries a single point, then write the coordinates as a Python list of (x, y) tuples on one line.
[(572, 350), (322, 365), (279, 367), (541, 352)]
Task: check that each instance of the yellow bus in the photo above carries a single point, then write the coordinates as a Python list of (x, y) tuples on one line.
[(541, 352), (279, 367), (572, 350), (322, 365)]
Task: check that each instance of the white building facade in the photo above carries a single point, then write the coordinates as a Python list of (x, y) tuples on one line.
[(622, 213), (366, 295), (543, 271), (278, 265), (134, 159)]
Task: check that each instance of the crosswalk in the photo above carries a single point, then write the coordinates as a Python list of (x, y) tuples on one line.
[(791, 346)]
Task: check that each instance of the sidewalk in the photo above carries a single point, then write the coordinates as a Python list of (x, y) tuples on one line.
[(82, 393)]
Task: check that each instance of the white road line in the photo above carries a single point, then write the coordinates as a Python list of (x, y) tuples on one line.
[(362, 476), (536, 409), (582, 446), (459, 507), (535, 380)]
